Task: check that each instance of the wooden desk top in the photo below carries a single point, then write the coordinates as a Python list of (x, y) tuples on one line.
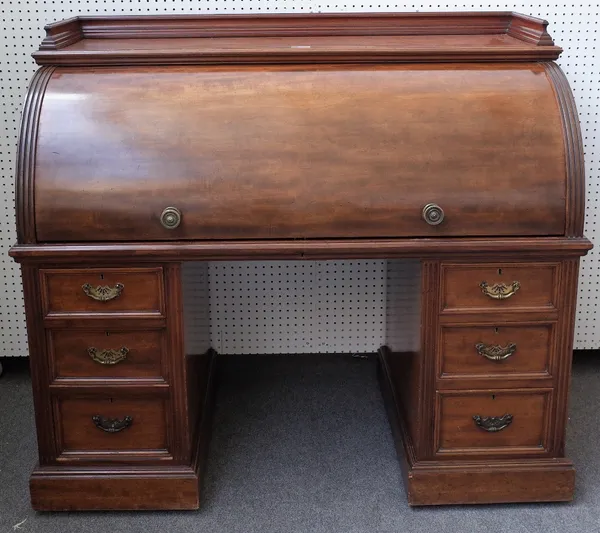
[(297, 38)]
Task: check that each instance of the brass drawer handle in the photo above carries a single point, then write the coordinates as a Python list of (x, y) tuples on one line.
[(170, 218), (433, 214), (499, 291), (112, 425), (495, 352), (103, 293), (493, 424), (108, 357)]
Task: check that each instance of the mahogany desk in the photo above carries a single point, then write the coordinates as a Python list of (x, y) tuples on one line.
[(448, 138)]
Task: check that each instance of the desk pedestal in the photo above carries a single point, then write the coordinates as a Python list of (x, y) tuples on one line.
[(478, 409)]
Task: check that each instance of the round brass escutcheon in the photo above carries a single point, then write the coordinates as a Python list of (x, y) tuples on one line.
[(433, 214), (170, 218)]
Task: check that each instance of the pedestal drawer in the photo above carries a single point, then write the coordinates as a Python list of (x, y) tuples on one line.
[(111, 354), (495, 422), (111, 428), (94, 291), (499, 287), (501, 351)]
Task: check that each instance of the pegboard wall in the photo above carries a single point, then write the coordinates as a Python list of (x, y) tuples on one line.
[(290, 302), (289, 306)]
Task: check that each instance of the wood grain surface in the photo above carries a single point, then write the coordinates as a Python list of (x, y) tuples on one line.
[(142, 291), (462, 291), (296, 38), (296, 152), (78, 433), (71, 360), (459, 355), (526, 434)]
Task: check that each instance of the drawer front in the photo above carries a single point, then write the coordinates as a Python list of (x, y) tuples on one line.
[(500, 422), (103, 291), (111, 427), (499, 287), (106, 354), (488, 351)]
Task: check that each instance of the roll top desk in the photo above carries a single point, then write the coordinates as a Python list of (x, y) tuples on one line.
[(448, 139)]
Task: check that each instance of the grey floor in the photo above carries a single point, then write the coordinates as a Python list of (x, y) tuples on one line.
[(302, 444)]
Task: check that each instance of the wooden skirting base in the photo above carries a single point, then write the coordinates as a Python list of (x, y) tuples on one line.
[(86, 490), (471, 482), (504, 482)]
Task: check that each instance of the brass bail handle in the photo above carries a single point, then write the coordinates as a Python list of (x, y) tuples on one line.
[(112, 425), (495, 352), (493, 424), (103, 293), (108, 357), (499, 291)]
